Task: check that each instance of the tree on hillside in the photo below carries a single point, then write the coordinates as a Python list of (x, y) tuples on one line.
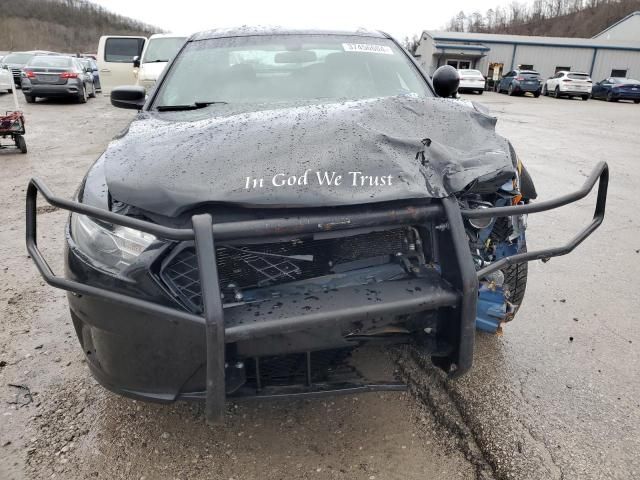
[(62, 25), (565, 18)]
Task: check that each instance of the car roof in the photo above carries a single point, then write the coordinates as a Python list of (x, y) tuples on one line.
[(252, 31), (54, 56), (168, 35)]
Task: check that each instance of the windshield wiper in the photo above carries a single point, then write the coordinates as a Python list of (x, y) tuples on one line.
[(192, 106)]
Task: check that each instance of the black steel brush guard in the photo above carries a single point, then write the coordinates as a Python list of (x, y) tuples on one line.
[(459, 271)]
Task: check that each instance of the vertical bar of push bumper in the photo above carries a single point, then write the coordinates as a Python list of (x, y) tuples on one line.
[(31, 212), (214, 318), (468, 284)]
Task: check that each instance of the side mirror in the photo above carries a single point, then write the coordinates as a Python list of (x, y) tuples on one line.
[(129, 96), (446, 80), (136, 62)]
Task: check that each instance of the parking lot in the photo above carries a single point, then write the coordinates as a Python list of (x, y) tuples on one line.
[(555, 397)]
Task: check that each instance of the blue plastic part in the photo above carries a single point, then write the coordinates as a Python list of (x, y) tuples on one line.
[(492, 308), (505, 249)]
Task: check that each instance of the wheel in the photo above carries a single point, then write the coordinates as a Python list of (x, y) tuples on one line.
[(515, 276), (93, 91), (636, 101), (510, 91), (30, 99), (545, 92), (610, 98), (585, 97), (536, 94), (557, 92), (515, 279), (21, 143), (82, 95), (480, 92)]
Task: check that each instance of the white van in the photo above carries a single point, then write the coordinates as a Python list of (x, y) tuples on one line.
[(115, 60), (159, 49)]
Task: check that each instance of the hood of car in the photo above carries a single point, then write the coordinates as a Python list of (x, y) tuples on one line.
[(335, 154), (151, 71)]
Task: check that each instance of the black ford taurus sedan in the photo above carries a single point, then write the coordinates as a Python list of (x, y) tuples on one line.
[(281, 198)]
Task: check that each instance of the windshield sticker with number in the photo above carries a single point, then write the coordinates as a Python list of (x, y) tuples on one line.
[(367, 47)]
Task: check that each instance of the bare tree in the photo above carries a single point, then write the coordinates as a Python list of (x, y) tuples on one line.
[(565, 18), (62, 25)]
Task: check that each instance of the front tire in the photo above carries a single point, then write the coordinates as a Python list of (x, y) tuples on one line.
[(636, 101), (515, 279), (610, 98), (557, 92), (585, 97), (536, 94), (93, 91), (480, 92), (30, 99), (510, 91)]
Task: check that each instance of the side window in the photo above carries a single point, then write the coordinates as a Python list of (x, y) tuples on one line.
[(122, 50)]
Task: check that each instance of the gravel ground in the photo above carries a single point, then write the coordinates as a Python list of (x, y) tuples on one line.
[(555, 397)]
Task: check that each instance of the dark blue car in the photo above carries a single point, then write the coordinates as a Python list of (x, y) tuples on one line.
[(519, 82), (617, 88)]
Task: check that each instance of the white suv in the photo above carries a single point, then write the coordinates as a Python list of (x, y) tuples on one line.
[(570, 84)]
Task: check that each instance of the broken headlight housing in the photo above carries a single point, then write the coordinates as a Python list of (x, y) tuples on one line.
[(111, 247)]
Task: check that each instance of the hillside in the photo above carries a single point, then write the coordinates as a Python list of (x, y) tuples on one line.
[(61, 25), (554, 18)]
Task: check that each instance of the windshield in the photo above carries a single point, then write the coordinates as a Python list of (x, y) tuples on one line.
[(162, 49), (49, 61), (18, 58), (289, 68)]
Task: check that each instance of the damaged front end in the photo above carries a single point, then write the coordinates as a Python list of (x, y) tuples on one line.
[(501, 292), (258, 307)]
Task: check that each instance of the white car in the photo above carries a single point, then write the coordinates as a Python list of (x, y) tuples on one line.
[(160, 48), (471, 81), (568, 84), (6, 80), (135, 60)]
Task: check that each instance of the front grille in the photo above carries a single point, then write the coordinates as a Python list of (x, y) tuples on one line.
[(293, 368), (268, 264), (16, 72)]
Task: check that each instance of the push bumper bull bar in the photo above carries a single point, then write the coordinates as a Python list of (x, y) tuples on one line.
[(459, 271)]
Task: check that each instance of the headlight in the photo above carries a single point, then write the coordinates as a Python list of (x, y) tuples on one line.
[(111, 247)]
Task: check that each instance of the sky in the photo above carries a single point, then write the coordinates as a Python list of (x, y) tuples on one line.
[(399, 18)]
